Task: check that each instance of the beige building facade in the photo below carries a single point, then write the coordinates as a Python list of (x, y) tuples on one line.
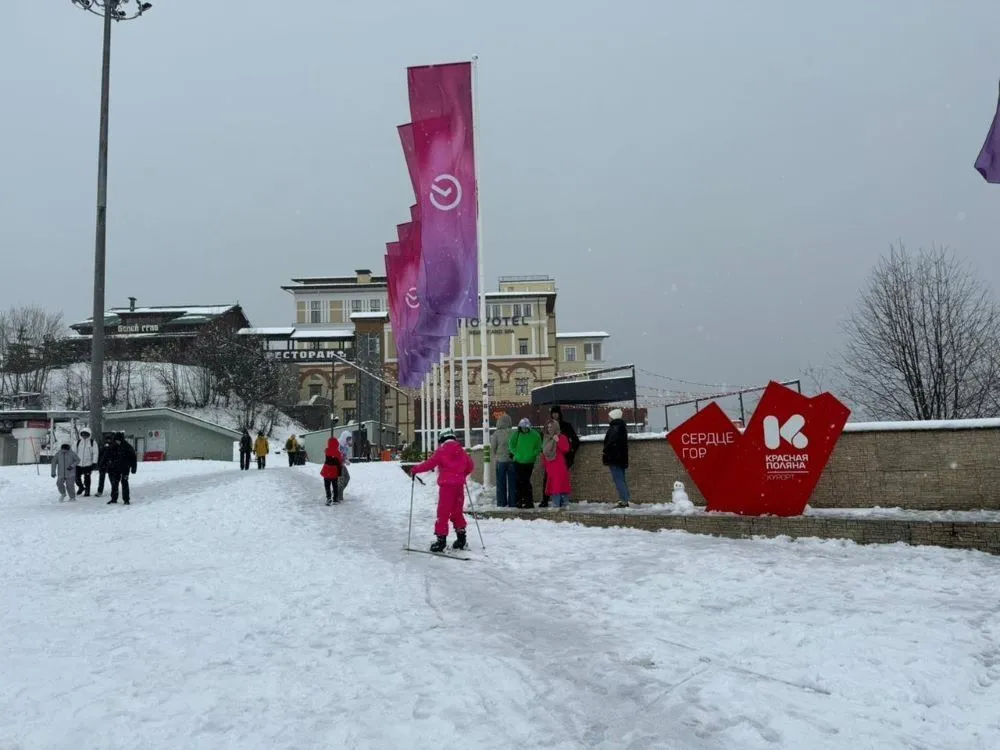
[(347, 316)]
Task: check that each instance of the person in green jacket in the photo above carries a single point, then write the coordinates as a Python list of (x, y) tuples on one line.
[(525, 448)]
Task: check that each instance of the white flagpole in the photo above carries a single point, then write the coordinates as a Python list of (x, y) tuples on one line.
[(465, 384), (423, 415), (451, 385), (442, 393), (483, 363), (434, 407)]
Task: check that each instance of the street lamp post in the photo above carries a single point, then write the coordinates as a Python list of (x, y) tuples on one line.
[(110, 10)]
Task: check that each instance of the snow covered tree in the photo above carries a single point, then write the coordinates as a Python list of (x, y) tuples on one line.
[(924, 340)]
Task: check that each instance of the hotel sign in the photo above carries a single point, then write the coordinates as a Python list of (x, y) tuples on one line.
[(498, 325)]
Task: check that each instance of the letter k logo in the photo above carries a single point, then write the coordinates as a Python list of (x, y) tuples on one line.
[(790, 431)]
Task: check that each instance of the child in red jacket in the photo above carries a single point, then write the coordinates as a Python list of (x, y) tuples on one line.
[(331, 470), (454, 466)]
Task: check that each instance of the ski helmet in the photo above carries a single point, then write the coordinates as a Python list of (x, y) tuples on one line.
[(445, 436)]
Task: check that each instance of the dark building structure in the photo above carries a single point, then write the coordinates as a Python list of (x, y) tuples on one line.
[(160, 333)]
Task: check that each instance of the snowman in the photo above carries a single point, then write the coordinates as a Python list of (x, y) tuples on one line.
[(680, 499)]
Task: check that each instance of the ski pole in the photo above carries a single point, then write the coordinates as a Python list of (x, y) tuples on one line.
[(409, 527), (475, 517)]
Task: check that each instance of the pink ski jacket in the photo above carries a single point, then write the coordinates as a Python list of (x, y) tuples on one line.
[(454, 465)]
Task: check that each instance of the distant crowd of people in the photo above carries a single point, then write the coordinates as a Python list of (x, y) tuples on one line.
[(516, 451), (114, 460), (260, 447)]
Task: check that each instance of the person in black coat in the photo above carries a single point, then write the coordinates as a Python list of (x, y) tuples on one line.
[(565, 428), (102, 472), (119, 461), (615, 455), (246, 448)]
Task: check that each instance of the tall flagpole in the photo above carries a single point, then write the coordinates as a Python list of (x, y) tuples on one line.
[(465, 383), (451, 385), (434, 407), (423, 416), (442, 393), (483, 363)]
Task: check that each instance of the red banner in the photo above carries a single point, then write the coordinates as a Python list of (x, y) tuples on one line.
[(774, 466)]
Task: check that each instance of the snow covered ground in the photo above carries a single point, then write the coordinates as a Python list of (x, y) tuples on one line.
[(229, 609)]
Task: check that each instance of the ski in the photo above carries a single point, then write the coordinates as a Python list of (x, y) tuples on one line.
[(437, 554)]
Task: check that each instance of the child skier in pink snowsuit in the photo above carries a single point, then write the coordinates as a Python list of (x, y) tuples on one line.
[(454, 466)]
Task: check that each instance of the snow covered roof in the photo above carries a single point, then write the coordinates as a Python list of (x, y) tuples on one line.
[(165, 411), (368, 315), (267, 331), (329, 333), (584, 335), (182, 314), (210, 310)]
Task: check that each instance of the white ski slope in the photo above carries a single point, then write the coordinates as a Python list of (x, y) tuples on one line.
[(229, 609)]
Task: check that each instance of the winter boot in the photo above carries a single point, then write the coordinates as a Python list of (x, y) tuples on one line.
[(460, 542), (112, 502), (440, 544)]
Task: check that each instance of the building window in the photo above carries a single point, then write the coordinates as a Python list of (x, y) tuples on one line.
[(523, 347), (356, 305), (350, 415), (592, 352), (521, 386), (315, 312), (375, 305), (569, 353), (350, 391), (494, 311), (491, 385), (315, 389), (526, 310)]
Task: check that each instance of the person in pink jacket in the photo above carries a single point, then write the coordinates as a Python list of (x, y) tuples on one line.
[(554, 450), (454, 466)]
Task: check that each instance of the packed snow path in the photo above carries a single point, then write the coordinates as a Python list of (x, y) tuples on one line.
[(234, 609)]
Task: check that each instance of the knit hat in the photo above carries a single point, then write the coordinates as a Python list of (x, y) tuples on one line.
[(64, 446), (615, 414), (524, 424), (446, 435)]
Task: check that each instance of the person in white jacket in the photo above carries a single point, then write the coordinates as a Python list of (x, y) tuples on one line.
[(86, 452), (346, 450), (64, 464)]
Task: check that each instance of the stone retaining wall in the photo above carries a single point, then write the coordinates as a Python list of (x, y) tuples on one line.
[(984, 537), (932, 469)]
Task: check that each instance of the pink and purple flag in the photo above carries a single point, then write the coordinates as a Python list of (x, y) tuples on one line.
[(988, 163), (442, 159)]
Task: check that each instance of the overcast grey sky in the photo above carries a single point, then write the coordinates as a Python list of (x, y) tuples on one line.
[(724, 173)]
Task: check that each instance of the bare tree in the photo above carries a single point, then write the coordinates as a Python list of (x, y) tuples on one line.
[(30, 347), (923, 340)]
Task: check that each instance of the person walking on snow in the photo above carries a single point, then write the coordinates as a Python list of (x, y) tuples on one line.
[(330, 472), (101, 471), (454, 466), (119, 461), (246, 448), (615, 455), (554, 451), (64, 464), (525, 448), (292, 449), (86, 451), (346, 450), (506, 473), (261, 448)]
